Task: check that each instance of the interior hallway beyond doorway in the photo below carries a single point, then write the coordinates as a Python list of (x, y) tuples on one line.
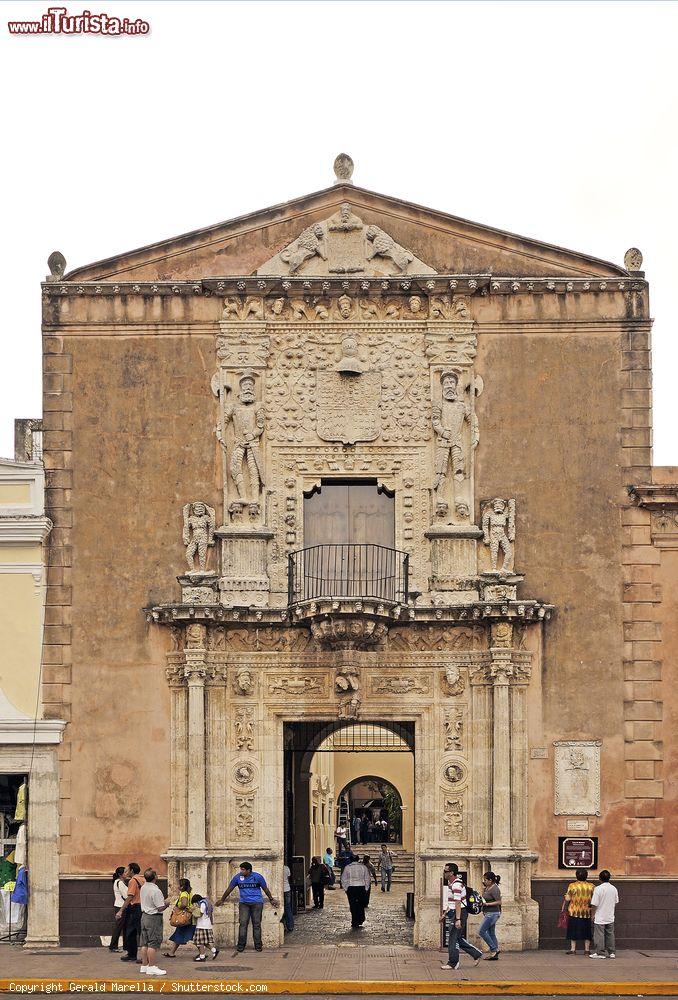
[(385, 923)]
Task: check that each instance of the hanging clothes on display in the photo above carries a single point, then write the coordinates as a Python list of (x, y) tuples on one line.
[(20, 891), (20, 853), (20, 811)]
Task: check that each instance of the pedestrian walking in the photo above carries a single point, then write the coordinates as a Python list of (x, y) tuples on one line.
[(288, 913), (455, 914), (319, 876), (150, 938), (119, 897), (491, 914), (204, 928), (578, 900), (250, 885), (355, 827), (355, 879), (341, 834), (373, 877), (603, 902), (328, 859), (181, 919), (129, 913), (386, 868)]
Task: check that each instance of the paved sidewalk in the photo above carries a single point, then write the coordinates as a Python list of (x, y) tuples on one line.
[(348, 963), (386, 921)]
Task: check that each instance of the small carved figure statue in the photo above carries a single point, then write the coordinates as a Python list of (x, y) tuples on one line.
[(248, 426), (309, 244), (198, 534), (414, 302), (243, 682), (499, 532), (454, 679), (347, 221), (347, 680), (448, 423), (349, 707), (384, 245)]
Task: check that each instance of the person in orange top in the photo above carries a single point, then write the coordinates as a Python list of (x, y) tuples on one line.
[(578, 899)]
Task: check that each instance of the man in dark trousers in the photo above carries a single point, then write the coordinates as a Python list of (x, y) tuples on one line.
[(250, 885), (130, 912), (355, 879)]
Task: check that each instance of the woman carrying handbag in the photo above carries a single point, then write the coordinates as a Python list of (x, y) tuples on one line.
[(181, 918)]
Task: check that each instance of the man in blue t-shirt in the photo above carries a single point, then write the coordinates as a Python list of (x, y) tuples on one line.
[(249, 885)]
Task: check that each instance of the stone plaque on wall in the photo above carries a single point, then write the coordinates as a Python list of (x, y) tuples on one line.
[(577, 777)]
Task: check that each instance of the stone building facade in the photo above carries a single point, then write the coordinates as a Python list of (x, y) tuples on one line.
[(204, 635)]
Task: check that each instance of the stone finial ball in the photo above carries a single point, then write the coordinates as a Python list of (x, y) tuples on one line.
[(343, 168), (56, 262), (633, 259)]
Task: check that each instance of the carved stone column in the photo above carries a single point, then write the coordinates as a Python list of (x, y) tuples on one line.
[(195, 671), (521, 676), (217, 756), (501, 669), (481, 720), (178, 753), (43, 849)]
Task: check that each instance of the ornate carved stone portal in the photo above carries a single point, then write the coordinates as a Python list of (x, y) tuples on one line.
[(374, 381)]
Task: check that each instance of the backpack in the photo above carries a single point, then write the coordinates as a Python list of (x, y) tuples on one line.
[(474, 901)]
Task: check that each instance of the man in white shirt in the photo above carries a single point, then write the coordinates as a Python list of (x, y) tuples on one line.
[(356, 880), (152, 904), (455, 914), (605, 898)]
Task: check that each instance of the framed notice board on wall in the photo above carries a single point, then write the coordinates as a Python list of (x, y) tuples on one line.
[(577, 852)]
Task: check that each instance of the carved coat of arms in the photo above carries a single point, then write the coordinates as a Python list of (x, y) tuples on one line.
[(348, 406)]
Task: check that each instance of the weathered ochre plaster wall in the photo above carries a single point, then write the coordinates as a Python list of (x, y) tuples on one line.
[(20, 632)]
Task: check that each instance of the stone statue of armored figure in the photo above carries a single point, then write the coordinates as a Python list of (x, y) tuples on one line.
[(499, 532), (248, 421), (198, 533), (451, 459)]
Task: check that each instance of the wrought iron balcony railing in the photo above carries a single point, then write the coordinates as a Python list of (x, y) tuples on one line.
[(351, 570)]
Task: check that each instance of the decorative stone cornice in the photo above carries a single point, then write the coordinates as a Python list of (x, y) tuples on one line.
[(23, 731), (24, 527), (655, 496), (468, 284), (479, 612)]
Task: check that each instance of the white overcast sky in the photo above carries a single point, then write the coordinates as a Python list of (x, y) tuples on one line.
[(553, 120)]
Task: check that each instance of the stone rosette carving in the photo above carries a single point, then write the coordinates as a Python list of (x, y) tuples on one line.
[(455, 772), (244, 773)]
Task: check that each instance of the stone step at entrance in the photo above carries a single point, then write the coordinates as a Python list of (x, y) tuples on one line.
[(403, 860)]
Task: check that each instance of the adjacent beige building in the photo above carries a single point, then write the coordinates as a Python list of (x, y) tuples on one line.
[(343, 460), (28, 741)]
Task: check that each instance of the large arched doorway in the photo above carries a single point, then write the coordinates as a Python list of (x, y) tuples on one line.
[(358, 776)]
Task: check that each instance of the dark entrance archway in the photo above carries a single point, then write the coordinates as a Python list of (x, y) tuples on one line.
[(375, 801), (301, 740)]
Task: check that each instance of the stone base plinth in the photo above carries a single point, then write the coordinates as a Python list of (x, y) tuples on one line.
[(198, 588), (244, 566), (454, 560), (500, 586)]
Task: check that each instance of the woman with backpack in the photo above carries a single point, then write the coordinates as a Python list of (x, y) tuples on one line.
[(319, 875), (491, 914), (204, 934), (181, 919)]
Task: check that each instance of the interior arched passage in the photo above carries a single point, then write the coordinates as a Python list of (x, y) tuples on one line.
[(376, 810)]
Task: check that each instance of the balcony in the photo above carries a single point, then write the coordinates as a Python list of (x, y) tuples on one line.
[(349, 572)]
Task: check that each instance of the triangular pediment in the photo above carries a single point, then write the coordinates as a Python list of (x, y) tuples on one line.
[(270, 242), (344, 245)]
